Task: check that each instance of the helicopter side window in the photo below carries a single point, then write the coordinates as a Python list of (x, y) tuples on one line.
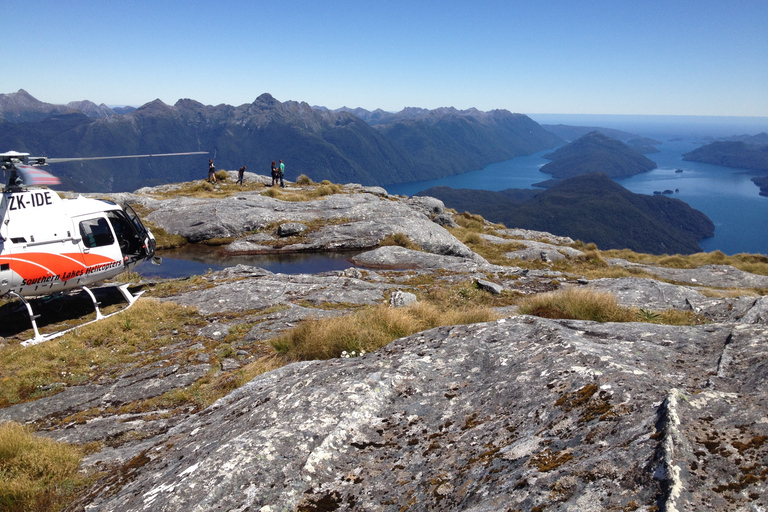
[(96, 233)]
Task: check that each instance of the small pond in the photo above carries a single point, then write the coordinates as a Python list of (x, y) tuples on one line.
[(193, 260)]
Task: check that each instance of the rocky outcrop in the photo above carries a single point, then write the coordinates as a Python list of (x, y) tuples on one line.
[(718, 276), (523, 412), (347, 222)]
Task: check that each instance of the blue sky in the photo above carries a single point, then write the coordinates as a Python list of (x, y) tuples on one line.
[(685, 57)]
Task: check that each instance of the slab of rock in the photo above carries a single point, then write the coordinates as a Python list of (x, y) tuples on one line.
[(140, 384), (648, 293), (429, 206), (758, 313), (396, 257), (273, 324), (542, 251), (528, 234), (257, 289), (489, 286), (495, 416), (718, 276)]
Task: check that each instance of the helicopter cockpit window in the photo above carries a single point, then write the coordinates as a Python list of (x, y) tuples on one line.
[(96, 233)]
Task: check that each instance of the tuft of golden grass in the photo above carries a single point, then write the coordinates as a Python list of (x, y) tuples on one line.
[(369, 329), (597, 306), (470, 221), (465, 294), (400, 239), (303, 179), (577, 304), (36, 473), (753, 263)]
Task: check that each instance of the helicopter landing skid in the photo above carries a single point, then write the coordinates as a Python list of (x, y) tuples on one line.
[(40, 338)]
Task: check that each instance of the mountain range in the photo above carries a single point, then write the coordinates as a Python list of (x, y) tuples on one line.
[(362, 147)]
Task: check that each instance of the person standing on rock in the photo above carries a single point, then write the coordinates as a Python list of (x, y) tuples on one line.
[(240, 174), (211, 172), (274, 173), (281, 170)]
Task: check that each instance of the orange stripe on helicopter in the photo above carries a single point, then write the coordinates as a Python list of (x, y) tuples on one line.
[(36, 265)]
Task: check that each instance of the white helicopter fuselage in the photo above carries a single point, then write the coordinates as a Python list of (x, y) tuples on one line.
[(49, 244)]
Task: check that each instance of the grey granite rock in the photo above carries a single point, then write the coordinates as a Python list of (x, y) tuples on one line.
[(758, 313), (429, 206), (258, 289), (508, 413), (542, 251), (394, 256), (489, 286), (528, 234), (399, 299), (291, 229), (140, 384), (719, 276), (648, 293), (445, 220)]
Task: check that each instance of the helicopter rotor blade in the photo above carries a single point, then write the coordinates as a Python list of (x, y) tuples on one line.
[(79, 159)]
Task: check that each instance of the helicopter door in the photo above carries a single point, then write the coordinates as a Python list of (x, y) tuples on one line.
[(130, 241), (98, 244)]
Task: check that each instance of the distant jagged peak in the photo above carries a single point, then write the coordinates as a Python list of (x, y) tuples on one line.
[(20, 98), (266, 99), (154, 106), (189, 104), (91, 109), (21, 106)]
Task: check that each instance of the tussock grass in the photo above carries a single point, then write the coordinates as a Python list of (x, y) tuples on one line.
[(466, 294), (303, 179), (369, 329), (36, 473), (470, 221), (202, 188), (753, 263), (586, 304), (307, 192), (577, 304), (400, 239), (113, 345)]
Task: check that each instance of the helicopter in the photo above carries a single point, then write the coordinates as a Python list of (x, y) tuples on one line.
[(49, 245)]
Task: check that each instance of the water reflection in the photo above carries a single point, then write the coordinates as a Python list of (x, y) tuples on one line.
[(197, 260)]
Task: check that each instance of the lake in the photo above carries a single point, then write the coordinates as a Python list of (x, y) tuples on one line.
[(726, 195), (193, 260)]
